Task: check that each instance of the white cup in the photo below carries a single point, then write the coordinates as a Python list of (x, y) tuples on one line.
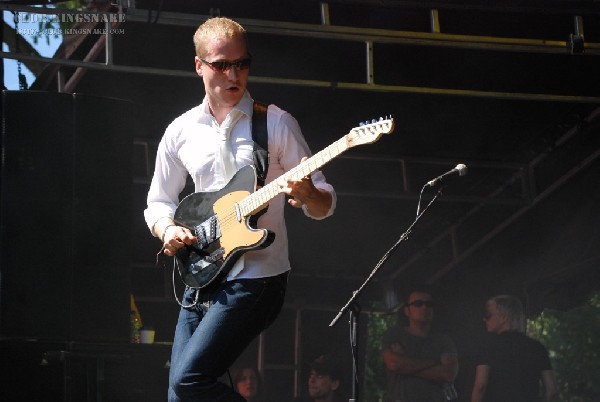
[(147, 335)]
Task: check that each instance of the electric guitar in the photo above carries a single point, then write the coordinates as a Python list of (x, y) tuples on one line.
[(221, 220)]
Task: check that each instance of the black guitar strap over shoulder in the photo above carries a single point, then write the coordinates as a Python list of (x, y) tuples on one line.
[(260, 136)]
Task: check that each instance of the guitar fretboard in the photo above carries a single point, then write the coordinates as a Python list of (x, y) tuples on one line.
[(260, 198)]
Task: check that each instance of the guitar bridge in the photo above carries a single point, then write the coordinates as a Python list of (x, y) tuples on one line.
[(207, 232), (215, 256)]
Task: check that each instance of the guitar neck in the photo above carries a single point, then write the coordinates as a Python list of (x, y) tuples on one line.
[(259, 199)]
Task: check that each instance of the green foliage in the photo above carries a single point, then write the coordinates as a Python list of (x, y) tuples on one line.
[(573, 341), (73, 4), (375, 375)]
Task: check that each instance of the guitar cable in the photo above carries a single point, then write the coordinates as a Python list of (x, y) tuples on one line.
[(176, 267)]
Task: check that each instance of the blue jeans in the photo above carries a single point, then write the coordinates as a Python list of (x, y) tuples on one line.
[(210, 336)]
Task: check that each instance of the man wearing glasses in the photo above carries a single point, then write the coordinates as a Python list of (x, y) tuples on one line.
[(210, 143), (421, 365)]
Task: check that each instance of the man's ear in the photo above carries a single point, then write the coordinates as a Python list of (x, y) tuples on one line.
[(198, 64), (335, 384)]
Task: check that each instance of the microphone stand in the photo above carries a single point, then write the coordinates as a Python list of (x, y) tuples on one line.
[(354, 308)]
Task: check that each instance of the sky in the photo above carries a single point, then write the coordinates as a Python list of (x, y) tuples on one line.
[(11, 79)]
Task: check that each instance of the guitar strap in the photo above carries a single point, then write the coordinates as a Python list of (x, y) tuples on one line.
[(260, 136)]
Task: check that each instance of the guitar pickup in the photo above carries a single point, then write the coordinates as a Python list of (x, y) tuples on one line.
[(207, 232)]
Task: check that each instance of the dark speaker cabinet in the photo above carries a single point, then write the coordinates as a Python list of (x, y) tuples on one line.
[(65, 216), (77, 372)]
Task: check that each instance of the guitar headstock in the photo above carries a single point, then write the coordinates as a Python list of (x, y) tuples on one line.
[(370, 131)]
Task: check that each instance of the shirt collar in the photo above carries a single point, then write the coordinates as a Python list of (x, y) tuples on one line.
[(245, 105)]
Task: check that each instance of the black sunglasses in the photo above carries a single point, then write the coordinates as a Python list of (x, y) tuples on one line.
[(223, 66), (421, 303)]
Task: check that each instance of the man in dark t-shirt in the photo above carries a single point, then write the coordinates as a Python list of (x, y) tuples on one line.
[(511, 365), (421, 365)]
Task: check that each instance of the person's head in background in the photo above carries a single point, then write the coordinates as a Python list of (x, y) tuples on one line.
[(418, 309), (324, 378), (247, 382), (504, 313)]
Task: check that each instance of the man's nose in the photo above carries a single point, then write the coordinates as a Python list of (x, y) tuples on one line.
[(232, 73)]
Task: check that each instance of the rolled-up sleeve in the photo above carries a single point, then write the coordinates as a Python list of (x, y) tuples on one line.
[(292, 148)]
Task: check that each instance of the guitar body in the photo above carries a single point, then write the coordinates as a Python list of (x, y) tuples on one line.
[(222, 233)]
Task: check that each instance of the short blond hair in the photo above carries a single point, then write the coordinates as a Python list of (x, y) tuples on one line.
[(512, 307), (216, 27)]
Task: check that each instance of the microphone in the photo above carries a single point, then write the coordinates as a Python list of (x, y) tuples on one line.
[(460, 169)]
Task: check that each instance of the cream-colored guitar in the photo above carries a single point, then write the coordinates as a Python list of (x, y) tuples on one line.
[(221, 220)]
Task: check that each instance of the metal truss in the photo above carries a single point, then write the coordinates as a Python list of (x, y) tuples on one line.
[(367, 36), (527, 175)]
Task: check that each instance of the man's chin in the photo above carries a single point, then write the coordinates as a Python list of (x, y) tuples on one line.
[(233, 97)]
